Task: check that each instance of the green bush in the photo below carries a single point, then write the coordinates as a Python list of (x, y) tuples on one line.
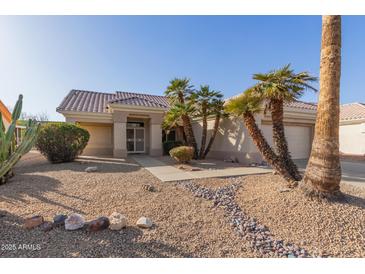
[(61, 142), (168, 145), (182, 154)]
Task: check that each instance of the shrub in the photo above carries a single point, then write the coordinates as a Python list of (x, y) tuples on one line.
[(61, 142), (168, 145), (182, 154)]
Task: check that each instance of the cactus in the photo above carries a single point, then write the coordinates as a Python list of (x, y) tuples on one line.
[(9, 153)]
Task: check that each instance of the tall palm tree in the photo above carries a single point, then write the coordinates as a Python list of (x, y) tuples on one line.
[(216, 109), (203, 99), (245, 106), (323, 174), (277, 87), (180, 92)]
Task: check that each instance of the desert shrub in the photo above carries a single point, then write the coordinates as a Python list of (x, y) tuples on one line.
[(168, 145), (182, 154), (61, 142)]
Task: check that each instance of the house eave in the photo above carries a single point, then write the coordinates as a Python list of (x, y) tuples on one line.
[(352, 122)]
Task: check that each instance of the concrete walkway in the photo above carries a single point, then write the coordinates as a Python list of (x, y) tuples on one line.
[(168, 173)]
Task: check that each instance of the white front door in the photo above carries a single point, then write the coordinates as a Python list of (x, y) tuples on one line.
[(135, 140)]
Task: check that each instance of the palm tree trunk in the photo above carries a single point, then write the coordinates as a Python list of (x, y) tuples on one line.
[(214, 134), (323, 174), (204, 136), (281, 145), (264, 147), (188, 129)]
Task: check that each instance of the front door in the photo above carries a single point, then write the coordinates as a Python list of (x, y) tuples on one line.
[(135, 140)]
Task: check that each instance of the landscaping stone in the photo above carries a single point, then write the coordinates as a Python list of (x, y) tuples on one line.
[(284, 190), (100, 223), (91, 169), (33, 222), (74, 221), (59, 220), (46, 226), (258, 236), (148, 187), (117, 221), (144, 222)]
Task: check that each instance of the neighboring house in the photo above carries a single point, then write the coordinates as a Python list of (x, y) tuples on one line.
[(124, 122), (6, 115), (352, 129)]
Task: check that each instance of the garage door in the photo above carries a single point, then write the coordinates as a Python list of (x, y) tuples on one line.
[(298, 137)]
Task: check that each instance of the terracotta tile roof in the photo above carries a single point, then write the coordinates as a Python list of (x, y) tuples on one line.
[(91, 101), (301, 105), (294, 104), (353, 111)]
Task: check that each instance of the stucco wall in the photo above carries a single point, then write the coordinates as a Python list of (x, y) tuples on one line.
[(101, 139), (233, 140), (352, 139)]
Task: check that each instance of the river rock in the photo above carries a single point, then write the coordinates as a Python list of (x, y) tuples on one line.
[(100, 223), (74, 221), (46, 226), (33, 222), (91, 169), (144, 222), (117, 221), (59, 220)]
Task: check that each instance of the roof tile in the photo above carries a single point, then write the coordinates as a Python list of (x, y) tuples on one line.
[(353, 111)]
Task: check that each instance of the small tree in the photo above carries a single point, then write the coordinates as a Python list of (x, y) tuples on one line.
[(275, 88), (179, 93), (205, 101), (217, 110), (245, 106)]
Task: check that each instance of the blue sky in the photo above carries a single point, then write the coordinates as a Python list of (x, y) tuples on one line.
[(43, 57)]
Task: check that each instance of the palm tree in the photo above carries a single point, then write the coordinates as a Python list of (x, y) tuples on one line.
[(218, 111), (203, 99), (179, 92), (323, 174), (277, 87), (245, 106)]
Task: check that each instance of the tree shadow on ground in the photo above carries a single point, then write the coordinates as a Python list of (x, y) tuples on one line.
[(127, 243), (352, 200), (35, 162), (25, 186)]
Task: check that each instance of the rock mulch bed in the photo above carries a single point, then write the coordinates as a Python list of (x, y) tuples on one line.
[(255, 235), (324, 229), (185, 226)]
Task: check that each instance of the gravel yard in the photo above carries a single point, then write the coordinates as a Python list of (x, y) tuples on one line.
[(192, 219), (185, 226), (324, 229)]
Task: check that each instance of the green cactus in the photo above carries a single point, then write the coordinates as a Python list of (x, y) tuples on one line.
[(9, 153)]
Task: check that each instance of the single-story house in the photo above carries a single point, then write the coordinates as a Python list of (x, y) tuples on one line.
[(352, 129), (124, 122)]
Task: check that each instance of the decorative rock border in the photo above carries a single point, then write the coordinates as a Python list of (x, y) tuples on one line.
[(258, 236)]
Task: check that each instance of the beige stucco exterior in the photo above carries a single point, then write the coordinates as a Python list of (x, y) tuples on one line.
[(101, 138), (233, 140), (108, 131), (352, 137)]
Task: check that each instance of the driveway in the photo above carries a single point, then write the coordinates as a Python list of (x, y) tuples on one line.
[(352, 172)]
